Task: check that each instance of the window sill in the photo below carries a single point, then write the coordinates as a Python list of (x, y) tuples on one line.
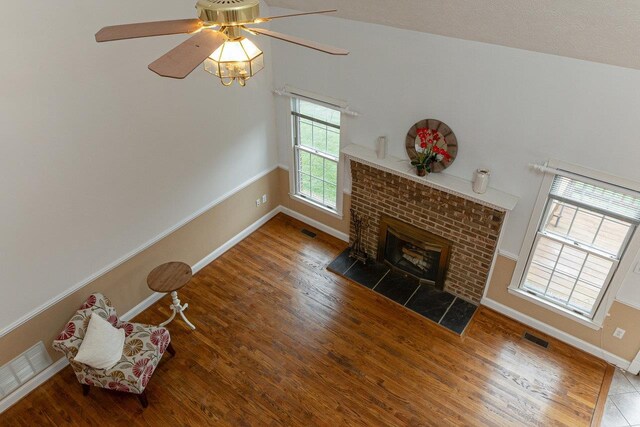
[(585, 321), (308, 202)]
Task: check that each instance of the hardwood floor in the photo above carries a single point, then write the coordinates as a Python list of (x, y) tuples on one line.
[(282, 341)]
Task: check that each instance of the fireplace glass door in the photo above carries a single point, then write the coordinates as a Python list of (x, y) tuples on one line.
[(413, 251), (422, 263)]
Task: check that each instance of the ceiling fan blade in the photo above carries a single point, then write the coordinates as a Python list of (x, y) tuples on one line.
[(302, 42), (148, 29), (269, 18), (184, 58)]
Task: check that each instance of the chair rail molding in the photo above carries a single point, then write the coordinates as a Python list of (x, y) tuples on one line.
[(33, 313), (61, 363)]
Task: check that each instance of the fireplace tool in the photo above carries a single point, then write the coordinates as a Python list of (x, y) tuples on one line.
[(360, 223)]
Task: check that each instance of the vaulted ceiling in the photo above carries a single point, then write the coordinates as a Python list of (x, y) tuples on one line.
[(593, 30)]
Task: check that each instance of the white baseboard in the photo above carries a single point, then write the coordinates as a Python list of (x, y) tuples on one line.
[(316, 224), (155, 297), (634, 368), (32, 384), (234, 240), (146, 303), (557, 333), (61, 363)]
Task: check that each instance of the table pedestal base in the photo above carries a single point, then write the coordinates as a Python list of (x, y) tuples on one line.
[(176, 307)]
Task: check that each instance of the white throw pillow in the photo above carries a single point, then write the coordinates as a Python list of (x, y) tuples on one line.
[(102, 345)]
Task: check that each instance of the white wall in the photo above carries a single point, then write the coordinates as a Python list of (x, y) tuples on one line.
[(507, 107), (99, 154)]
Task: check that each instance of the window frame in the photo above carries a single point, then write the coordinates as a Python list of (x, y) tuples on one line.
[(294, 174), (540, 210)]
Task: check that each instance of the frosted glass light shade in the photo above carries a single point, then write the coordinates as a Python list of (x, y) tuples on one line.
[(238, 59)]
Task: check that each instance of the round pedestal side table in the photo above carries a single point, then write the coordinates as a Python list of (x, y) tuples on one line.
[(171, 277)]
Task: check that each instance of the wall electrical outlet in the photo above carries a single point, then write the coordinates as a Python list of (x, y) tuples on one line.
[(258, 202), (264, 198), (619, 333)]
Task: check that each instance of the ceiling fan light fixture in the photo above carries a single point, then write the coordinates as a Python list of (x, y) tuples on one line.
[(218, 29), (235, 60), (228, 12)]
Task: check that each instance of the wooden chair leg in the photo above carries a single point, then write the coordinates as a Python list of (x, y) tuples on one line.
[(171, 350), (143, 399), (85, 389)]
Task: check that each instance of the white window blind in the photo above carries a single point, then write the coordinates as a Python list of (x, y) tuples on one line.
[(580, 193)]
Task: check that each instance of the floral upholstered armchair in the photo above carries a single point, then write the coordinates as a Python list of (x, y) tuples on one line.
[(143, 348)]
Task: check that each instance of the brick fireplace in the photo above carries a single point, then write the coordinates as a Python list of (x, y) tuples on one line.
[(471, 228)]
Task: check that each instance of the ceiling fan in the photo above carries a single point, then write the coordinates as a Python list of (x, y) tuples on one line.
[(217, 40)]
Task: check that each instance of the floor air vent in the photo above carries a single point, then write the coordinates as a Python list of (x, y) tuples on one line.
[(309, 233), (23, 368), (538, 341)]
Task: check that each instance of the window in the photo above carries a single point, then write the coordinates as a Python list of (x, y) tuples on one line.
[(579, 243), (316, 131)]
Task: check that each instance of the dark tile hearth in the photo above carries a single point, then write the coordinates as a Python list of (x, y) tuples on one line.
[(397, 287), (432, 303), (368, 274), (438, 306), (458, 315), (341, 264)]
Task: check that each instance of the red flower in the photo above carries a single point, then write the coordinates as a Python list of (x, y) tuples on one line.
[(90, 302), (160, 337), (442, 152), (423, 145), (113, 319), (117, 386), (128, 328), (146, 375), (156, 336), (423, 133), (164, 343), (139, 367), (67, 332), (436, 136)]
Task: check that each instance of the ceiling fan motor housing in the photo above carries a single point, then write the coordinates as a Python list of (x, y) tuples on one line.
[(228, 12)]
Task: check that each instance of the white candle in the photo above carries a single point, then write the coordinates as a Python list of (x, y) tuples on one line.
[(481, 181)]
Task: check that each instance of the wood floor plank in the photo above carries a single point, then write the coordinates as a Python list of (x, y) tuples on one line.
[(282, 341), (598, 412)]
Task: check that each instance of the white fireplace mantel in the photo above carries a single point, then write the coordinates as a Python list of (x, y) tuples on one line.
[(440, 181)]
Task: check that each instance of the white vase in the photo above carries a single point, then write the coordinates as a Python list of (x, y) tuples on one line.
[(381, 150), (481, 181)]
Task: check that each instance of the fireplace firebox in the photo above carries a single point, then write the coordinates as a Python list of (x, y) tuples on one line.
[(413, 251)]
